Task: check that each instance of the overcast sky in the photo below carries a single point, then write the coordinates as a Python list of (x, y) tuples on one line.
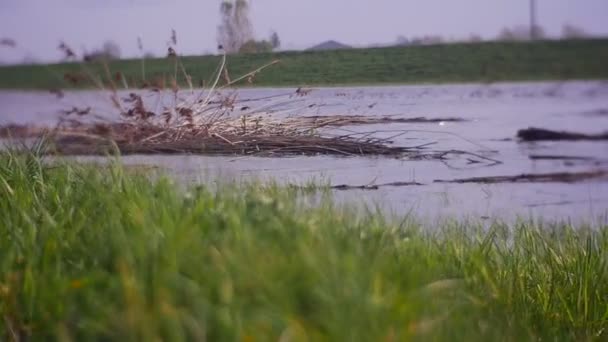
[(38, 25)]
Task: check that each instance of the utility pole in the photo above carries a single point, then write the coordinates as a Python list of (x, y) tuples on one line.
[(533, 19)]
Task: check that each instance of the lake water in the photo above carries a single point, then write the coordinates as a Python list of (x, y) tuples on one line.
[(494, 112)]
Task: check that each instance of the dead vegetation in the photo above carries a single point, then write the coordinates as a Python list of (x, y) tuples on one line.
[(541, 134), (374, 186), (351, 120), (557, 177), (157, 116), (211, 128), (344, 187), (130, 139), (561, 158)]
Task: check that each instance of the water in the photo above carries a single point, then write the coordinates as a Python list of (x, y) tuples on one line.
[(495, 113)]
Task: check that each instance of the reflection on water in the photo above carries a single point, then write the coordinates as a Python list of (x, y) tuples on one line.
[(495, 113)]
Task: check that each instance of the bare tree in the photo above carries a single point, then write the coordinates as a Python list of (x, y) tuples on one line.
[(242, 21), (475, 38), (111, 49), (225, 34), (8, 42), (275, 41), (235, 27), (256, 46), (427, 40), (533, 26), (573, 32), (520, 33), (513, 34), (402, 40)]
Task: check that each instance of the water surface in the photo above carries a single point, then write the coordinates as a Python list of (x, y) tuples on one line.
[(494, 112)]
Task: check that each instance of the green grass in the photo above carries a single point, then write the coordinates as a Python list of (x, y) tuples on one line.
[(475, 62), (89, 253)]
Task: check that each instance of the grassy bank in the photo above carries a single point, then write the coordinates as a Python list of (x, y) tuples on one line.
[(475, 62), (106, 254)]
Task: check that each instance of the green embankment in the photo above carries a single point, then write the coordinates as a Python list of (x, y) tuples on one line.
[(106, 254), (475, 62)]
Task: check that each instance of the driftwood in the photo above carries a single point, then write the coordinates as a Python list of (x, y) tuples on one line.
[(374, 186), (598, 112), (540, 134), (564, 158), (346, 120), (358, 187), (558, 177)]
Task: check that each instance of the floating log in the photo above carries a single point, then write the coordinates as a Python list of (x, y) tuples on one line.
[(346, 120), (541, 134), (557, 157), (558, 177)]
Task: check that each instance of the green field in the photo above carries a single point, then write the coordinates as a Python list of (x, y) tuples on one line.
[(107, 254), (474, 62)]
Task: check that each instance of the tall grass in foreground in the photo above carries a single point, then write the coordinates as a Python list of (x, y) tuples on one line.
[(106, 254)]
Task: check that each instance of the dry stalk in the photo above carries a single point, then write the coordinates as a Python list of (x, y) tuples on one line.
[(206, 122)]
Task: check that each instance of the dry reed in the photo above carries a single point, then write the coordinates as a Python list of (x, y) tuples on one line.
[(208, 121)]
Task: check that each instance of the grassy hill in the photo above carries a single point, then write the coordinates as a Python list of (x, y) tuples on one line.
[(473, 62)]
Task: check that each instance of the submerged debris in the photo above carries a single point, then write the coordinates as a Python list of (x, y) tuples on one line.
[(540, 134), (558, 177), (373, 186), (602, 112), (569, 160), (345, 120), (565, 158), (370, 186)]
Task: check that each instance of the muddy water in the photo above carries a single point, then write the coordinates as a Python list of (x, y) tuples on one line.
[(495, 113)]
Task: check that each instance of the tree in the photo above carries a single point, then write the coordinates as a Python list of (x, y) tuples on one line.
[(427, 40), (275, 41), (507, 34), (8, 42), (520, 33), (402, 40), (235, 27), (225, 34), (573, 32), (538, 32), (111, 50), (256, 46), (475, 38), (235, 32)]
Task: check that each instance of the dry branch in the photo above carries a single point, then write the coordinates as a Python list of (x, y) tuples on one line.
[(559, 177), (540, 134), (347, 120)]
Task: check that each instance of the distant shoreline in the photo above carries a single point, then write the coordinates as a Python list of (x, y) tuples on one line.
[(580, 60)]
